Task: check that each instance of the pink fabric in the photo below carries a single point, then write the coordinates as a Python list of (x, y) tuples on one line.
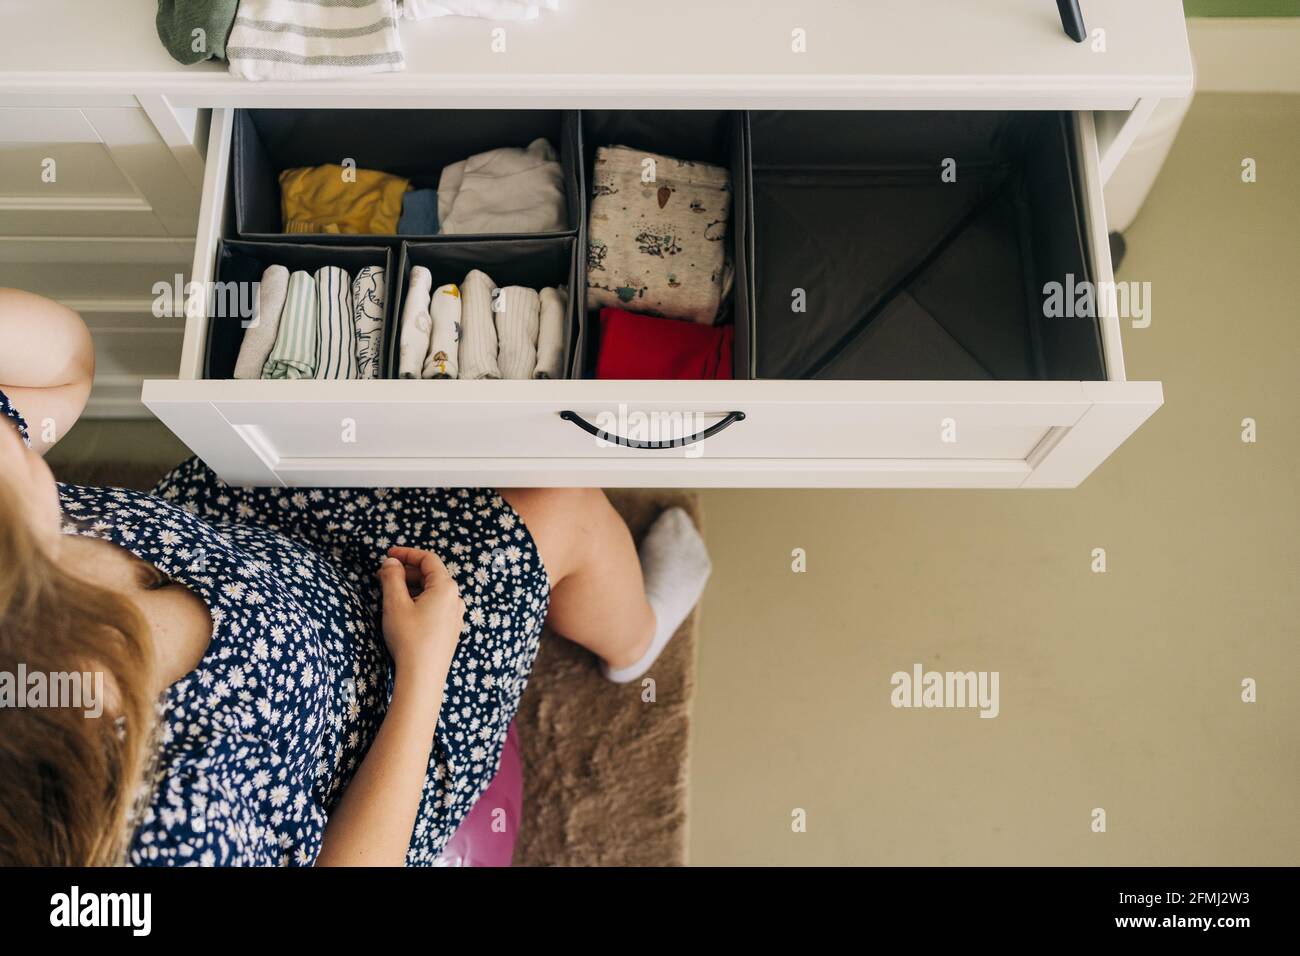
[(477, 842)]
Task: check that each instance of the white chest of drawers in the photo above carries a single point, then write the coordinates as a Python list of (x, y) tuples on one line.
[(1009, 55)]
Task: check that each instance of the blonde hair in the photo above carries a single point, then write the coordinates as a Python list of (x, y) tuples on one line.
[(68, 782)]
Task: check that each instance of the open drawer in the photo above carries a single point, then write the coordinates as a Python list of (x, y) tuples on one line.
[(819, 431)]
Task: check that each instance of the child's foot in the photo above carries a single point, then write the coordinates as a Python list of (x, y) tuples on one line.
[(675, 565)]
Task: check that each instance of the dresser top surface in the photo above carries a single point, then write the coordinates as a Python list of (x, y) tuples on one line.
[(627, 52)]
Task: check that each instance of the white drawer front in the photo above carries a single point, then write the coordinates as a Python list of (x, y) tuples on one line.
[(1004, 434), (793, 433)]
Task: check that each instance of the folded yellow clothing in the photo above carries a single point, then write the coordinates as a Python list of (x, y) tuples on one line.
[(332, 199)]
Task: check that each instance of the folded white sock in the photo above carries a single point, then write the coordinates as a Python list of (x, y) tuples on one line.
[(368, 291), (550, 333), (413, 345), (337, 327), (444, 311), (518, 311), (478, 333), (259, 337), (675, 564)]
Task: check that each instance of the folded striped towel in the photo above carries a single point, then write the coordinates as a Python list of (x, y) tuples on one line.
[(314, 39)]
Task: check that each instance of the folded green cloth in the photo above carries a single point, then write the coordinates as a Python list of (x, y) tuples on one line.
[(178, 19)]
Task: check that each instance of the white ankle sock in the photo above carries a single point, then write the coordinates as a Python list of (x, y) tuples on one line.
[(676, 566)]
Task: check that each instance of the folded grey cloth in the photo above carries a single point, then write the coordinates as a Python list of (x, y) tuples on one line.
[(195, 30)]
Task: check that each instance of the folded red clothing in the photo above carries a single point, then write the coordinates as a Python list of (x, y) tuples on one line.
[(642, 346)]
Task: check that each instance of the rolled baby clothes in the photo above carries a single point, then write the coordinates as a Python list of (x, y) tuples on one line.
[(443, 358), (550, 333), (337, 327), (313, 39), (368, 292), (517, 314), (503, 190), (657, 247), (297, 340), (259, 337), (478, 333), (413, 343)]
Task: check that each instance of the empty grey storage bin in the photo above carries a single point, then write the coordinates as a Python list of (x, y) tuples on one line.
[(870, 263)]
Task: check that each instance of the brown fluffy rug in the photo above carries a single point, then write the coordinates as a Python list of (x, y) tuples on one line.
[(605, 766)]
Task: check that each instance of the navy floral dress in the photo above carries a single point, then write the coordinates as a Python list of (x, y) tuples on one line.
[(259, 741)]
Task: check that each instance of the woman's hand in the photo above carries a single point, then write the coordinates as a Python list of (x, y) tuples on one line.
[(422, 613), (422, 617)]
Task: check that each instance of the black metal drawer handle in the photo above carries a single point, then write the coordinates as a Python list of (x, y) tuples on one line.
[(589, 428)]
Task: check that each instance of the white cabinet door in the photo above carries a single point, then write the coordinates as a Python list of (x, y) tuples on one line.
[(105, 171)]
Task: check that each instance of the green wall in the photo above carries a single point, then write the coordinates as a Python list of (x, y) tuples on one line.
[(1242, 8)]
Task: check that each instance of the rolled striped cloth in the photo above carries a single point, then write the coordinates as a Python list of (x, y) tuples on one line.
[(297, 340), (314, 39)]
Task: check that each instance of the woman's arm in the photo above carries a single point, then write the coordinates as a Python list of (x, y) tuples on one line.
[(373, 822), (47, 362)]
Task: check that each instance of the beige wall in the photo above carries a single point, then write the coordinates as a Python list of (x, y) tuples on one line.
[(1120, 690)]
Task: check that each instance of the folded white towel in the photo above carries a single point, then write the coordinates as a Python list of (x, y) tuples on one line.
[(337, 327), (444, 339), (503, 190), (259, 337), (487, 9), (550, 333), (368, 298), (478, 333), (416, 324), (313, 39), (516, 321)]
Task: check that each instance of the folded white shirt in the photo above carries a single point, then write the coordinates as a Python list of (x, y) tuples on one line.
[(487, 9), (503, 190)]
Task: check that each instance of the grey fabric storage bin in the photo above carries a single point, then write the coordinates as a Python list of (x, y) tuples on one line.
[(415, 144), (244, 262), (534, 263), (717, 137), (907, 276)]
